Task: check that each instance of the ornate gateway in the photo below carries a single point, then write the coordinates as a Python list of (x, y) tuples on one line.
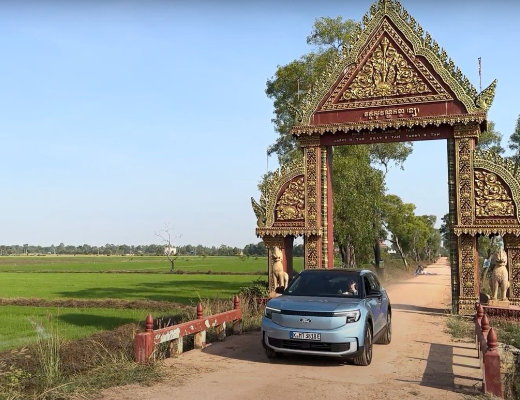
[(396, 84)]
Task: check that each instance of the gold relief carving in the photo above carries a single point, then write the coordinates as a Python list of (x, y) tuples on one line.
[(413, 41), (514, 259), (485, 98), (307, 141), (291, 205), (265, 209), (386, 73), (311, 187), (311, 252), (491, 197), (467, 305), (422, 73), (506, 171), (466, 131), (465, 181), (467, 248)]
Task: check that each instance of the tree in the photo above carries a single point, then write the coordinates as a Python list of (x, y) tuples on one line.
[(290, 82), (398, 220), (514, 144), (355, 182), (490, 139), (169, 250)]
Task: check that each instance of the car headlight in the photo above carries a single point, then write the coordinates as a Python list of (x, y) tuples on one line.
[(269, 312), (352, 316)]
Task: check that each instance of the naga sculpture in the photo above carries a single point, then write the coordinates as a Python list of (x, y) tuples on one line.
[(499, 275), (280, 277)]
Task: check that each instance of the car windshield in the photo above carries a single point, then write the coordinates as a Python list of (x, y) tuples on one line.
[(325, 284)]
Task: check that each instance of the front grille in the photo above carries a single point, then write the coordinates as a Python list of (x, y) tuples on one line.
[(309, 346), (308, 313)]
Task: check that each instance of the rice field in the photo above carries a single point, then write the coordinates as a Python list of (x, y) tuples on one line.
[(98, 278)]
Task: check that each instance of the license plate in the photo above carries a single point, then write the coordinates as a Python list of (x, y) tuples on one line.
[(305, 335)]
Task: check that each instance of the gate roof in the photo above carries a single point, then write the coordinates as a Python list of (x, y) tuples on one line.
[(393, 76)]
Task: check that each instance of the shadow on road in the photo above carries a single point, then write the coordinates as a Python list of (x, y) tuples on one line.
[(424, 310), (248, 347), (439, 372)]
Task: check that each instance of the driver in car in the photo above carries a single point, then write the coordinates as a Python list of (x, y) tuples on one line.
[(351, 289)]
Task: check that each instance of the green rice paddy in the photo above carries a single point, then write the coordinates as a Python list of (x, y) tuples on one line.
[(110, 277)]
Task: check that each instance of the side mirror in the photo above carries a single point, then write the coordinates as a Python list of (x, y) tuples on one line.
[(375, 294), (279, 290)]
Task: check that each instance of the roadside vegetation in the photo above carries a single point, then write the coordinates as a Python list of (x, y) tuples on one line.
[(55, 368), (508, 332)]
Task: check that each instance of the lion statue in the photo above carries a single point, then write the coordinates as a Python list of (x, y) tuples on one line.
[(499, 274), (280, 277)]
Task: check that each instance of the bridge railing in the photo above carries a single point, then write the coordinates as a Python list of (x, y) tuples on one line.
[(487, 346), (145, 342)]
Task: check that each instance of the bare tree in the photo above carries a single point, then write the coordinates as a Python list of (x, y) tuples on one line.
[(170, 251)]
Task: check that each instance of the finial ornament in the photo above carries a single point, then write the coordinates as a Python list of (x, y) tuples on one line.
[(485, 98)]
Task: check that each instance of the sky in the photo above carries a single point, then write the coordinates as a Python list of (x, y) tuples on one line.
[(121, 118)]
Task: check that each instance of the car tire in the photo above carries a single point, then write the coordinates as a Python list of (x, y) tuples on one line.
[(386, 338), (366, 356)]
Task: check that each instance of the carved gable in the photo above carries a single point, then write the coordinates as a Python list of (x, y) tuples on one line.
[(389, 75), (394, 76)]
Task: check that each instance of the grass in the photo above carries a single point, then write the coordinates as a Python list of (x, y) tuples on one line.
[(22, 326), (149, 264), (170, 287), (55, 369), (59, 369), (460, 327)]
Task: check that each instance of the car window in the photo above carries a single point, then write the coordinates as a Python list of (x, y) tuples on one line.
[(374, 283), (368, 287), (326, 284)]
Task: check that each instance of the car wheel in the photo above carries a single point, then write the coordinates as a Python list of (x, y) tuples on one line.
[(366, 357), (387, 336)]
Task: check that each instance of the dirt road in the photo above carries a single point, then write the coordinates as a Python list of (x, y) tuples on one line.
[(421, 362)]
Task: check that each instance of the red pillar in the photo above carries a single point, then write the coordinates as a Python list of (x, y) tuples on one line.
[(288, 255), (330, 213)]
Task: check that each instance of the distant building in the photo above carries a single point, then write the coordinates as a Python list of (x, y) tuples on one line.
[(170, 250)]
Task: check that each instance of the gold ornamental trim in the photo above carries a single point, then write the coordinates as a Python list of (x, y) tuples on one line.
[(488, 229), (294, 231), (265, 209), (505, 169), (464, 181), (491, 196), (422, 44), (452, 120), (291, 204), (387, 77), (467, 262)]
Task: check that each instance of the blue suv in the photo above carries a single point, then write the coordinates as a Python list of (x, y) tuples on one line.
[(329, 312)]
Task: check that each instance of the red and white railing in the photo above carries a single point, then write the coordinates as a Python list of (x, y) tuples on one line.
[(487, 345), (145, 342)]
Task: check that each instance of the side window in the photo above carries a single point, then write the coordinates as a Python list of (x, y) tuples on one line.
[(374, 283), (367, 285)]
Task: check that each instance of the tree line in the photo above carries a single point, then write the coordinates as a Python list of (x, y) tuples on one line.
[(124, 249)]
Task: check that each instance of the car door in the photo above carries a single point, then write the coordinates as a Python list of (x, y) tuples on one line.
[(376, 302)]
